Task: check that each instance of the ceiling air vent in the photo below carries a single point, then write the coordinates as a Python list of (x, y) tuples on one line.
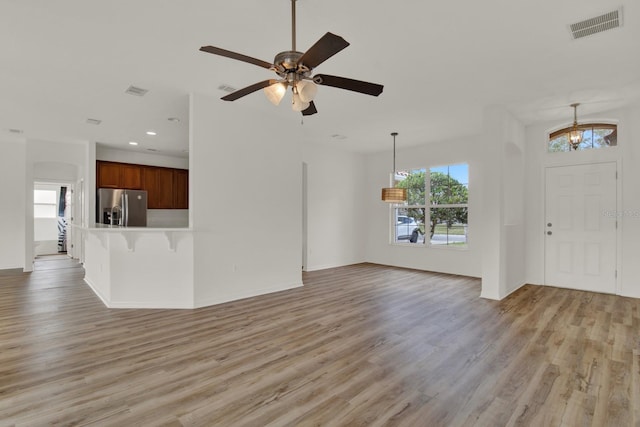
[(226, 88), (137, 91), (598, 24), (17, 131)]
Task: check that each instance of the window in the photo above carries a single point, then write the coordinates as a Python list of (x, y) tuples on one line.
[(595, 135), (442, 216), (44, 204)]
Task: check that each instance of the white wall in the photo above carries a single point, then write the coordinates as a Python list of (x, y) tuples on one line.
[(12, 192), (496, 248), (502, 213), (245, 201), (167, 218), (140, 158), (466, 261), (627, 155), (336, 216)]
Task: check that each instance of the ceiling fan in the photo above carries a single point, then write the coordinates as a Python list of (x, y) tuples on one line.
[(294, 70)]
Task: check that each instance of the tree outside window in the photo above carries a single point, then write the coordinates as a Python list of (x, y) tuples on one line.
[(443, 216), (595, 135)]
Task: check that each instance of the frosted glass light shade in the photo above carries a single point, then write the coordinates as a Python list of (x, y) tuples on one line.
[(298, 104), (275, 92), (394, 195), (307, 90)]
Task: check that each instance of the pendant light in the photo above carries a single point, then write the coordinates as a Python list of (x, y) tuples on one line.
[(394, 194), (575, 135)]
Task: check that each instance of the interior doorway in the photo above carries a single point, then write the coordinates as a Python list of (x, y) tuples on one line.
[(581, 227), (52, 213)]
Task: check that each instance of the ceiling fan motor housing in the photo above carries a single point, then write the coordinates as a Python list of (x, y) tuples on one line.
[(286, 65)]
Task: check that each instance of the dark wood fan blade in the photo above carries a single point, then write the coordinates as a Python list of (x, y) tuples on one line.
[(249, 89), (323, 49), (349, 84), (236, 56), (311, 109)]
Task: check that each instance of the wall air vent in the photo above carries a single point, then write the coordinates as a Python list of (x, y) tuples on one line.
[(137, 91), (601, 23), (16, 131), (226, 88)]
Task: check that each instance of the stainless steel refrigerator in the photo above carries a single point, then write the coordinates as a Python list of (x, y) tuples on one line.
[(127, 208)]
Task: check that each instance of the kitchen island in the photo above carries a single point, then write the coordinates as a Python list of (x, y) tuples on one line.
[(139, 267)]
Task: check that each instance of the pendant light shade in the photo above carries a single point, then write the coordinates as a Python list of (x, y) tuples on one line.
[(298, 104), (307, 90), (575, 135), (275, 92), (393, 194)]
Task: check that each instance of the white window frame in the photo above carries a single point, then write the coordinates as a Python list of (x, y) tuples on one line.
[(427, 206), (46, 204)]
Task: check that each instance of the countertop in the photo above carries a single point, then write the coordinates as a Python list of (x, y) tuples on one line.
[(120, 229)]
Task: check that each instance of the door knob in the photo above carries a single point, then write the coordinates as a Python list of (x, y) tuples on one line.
[(549, 233)]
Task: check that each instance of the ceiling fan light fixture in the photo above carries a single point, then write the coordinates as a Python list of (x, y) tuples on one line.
[(275, 92), (307, 90), (298, 104)]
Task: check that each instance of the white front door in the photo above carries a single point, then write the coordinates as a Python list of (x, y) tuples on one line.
[(580, 227)]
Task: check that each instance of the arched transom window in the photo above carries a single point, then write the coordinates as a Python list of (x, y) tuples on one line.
[(594, 135)]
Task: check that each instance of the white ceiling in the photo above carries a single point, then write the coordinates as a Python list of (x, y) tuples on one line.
[(441, 64)]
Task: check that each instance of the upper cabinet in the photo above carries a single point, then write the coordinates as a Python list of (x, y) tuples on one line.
[(167, 188), (181, 188), (159, 184), (118, 175)]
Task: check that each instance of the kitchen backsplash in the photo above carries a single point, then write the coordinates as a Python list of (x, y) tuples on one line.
[(168, 218)]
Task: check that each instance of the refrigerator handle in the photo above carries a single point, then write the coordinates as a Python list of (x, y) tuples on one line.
[(126, 209)]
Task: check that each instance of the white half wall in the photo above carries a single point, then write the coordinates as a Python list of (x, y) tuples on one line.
[(245, 201), (336, 216)]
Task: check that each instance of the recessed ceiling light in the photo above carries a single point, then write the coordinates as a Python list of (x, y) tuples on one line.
[(133, 143), (174, 119), (152, 133)]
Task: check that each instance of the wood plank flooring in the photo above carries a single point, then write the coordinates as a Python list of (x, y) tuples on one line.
[(357, 345)]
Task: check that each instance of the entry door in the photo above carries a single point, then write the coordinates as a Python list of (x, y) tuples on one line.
[(580, 227)]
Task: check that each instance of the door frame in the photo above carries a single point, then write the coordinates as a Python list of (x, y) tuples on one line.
[(583, 162)]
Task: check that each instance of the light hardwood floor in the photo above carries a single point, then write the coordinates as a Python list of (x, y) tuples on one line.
[(357, 345)]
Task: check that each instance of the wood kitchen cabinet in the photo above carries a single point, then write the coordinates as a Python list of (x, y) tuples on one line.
[(159, 185), (180, 189), (118, 175), (167, 188)]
